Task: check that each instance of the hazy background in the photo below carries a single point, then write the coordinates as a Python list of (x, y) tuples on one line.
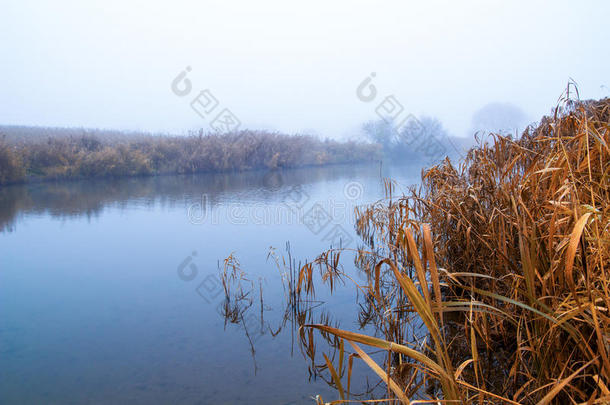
[(293, 66)]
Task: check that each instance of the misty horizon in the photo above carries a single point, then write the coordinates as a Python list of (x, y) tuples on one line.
[(290, 69)]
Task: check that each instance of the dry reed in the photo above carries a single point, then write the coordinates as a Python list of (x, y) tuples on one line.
[(505, 260)]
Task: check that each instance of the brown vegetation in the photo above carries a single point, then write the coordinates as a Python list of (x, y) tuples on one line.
[(11, 166), (89, 155), (505, 261)]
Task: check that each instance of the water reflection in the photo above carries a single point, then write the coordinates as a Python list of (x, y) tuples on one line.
[(123, 297), (89, 197), (302, 309)]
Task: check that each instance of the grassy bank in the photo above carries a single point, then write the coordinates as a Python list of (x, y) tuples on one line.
[(31, 153), (505, 263)]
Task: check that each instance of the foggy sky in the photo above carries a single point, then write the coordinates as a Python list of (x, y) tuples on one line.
[(293, 66)]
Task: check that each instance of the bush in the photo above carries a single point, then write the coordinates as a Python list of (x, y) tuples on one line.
[(11, 167)]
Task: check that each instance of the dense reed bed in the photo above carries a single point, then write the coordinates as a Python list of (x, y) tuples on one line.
[(27, 154), (490, 282)]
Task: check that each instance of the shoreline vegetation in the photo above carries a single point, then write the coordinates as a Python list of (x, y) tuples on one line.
[(488, 284), (35, 154)]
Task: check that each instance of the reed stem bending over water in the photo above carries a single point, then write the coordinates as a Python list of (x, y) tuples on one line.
[(505, 259)]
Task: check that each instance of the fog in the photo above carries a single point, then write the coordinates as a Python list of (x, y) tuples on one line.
[(294, 67)]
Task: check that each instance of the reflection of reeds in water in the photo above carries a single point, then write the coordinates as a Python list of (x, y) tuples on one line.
[(505, 262), (300, 308), (90, 197)]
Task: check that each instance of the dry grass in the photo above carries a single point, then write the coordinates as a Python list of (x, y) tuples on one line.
[(35, 153), (505, 260)]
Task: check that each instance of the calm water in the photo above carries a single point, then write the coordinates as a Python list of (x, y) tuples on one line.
[(109, 290)]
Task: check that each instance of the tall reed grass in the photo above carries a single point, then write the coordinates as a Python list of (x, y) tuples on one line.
[(504, 261), (30, 153)]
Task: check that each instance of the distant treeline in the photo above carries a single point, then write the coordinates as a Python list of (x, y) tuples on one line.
[(42, 153)]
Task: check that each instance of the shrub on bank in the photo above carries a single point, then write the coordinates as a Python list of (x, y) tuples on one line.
[(11, 167), (89, 155)]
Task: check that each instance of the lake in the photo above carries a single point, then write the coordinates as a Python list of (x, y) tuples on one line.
[(109, 289)]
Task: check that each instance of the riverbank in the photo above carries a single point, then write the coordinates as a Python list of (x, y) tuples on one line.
[(35, 154)]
